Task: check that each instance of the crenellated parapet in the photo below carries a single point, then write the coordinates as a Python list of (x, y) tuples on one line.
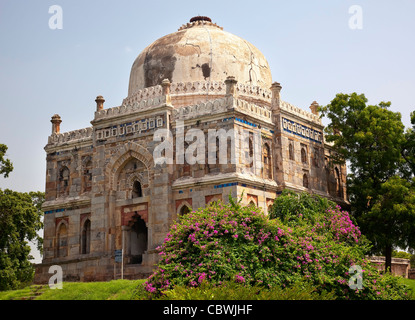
[(125, 109), (201, 88), (254, 110), (204, 108), (293, 110), (76, 136), (145, 94), (222, 105), (250, 100)]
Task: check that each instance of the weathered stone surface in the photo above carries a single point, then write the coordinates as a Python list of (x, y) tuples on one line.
[(199, 51)]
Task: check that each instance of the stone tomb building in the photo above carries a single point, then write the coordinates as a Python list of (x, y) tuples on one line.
[(104, 190)]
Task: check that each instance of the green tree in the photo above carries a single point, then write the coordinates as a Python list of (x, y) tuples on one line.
[(401, 254), (371, 139), (408, 151), (392, 216), (5, 164), (20, 220)]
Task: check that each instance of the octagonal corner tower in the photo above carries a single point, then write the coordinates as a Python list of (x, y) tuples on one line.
[(199, 51)]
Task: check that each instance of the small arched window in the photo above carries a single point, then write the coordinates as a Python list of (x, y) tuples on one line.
[(267, 161), (338, 182), (304, 155), (64, 176), (137, 190), (86, 237), (87, 177), (186, 168), (291, 151), (251, 147), (217, 150), (62, 241), (266, 152), (305, 181), (251, 150)]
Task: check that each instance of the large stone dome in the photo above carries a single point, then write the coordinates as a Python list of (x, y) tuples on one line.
[(199, 51)]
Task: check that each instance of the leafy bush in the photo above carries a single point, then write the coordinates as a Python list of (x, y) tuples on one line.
[(401, 254), (306, 238)]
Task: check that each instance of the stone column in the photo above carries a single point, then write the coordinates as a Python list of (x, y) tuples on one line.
[(56, 123), (276, 96), (231, 86), (100, 103), (314, 108), (165, 84)]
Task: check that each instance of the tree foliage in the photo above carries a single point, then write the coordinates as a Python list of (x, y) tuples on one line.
[(371, 139), (408, 151), (20, 219), (392, 215), (6, 165)]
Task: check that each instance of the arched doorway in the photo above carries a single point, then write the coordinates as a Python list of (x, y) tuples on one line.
[(138, 240), (184, 210), (62, 245)]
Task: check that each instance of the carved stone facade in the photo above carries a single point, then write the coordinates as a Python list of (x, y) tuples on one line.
[(105, 192)]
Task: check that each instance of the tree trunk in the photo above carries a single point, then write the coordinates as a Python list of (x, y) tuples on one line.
[(388, 259)]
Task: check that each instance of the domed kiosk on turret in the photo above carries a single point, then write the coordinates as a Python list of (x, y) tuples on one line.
[(202, 120)]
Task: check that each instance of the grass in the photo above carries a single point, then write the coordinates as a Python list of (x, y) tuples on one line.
[(113, 290), (27, 293), (411, 284)]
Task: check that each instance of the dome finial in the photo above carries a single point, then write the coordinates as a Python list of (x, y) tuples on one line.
[(200, 18)]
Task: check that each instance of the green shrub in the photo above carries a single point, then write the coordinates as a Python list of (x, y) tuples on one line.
[(404, 255), (307, 238), (401, 254)]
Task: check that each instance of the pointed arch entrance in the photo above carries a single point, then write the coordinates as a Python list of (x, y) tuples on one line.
[(138, 240), (135, 232)]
